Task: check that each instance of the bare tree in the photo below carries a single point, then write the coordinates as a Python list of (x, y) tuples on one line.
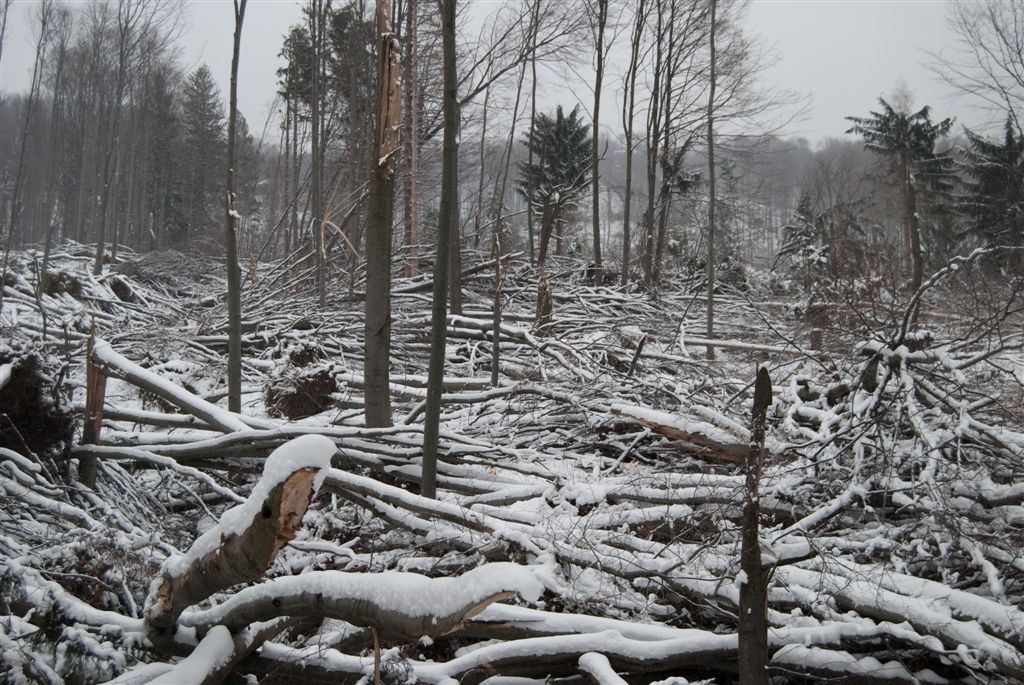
[(628, 113), (446, 221), (710, 276), (410, 140), (599, 21), (231, 230), (377, 331), (988, 59), (45, 14), (3, 25), (317, 18)]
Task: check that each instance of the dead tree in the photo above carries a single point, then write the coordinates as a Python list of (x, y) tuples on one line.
[(377, 328), (231, 231)]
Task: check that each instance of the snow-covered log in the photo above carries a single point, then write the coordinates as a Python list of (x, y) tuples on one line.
[(399, 605), (247, 538), (115, 364)]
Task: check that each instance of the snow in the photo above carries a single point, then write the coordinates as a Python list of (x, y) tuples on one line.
[(597, 666), (406, 594), (307, 451), (212, 653)]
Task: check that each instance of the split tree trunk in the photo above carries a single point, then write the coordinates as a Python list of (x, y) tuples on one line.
[(377, 331)]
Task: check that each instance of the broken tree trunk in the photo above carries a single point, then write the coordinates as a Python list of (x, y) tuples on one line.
[(113, 364), (95, 390), (399, 605), (753, 620), (246, 540)]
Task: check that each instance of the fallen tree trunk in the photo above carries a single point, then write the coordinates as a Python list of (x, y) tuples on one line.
[(247, 538), (114, 364), (399, 605)]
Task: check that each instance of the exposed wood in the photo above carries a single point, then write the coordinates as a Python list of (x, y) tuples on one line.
[(239, 557), (95, 393)]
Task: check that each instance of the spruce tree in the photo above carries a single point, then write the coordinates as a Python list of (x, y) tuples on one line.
[(994, 202), (556, 181), (908, 140), (204, 146)]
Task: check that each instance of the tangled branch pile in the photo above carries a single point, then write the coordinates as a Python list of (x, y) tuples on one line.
[(587, 520)]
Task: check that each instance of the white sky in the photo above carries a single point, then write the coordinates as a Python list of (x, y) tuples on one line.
[(845, 53)]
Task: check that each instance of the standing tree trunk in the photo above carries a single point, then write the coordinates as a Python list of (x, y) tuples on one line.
[(533, 120), (231, 231), (446, 222), (377, 331), (911, 227), (753, 620), (411, 141), (602, 20), (654, 124), (629, 106), (710, 276), (317, 36), (480, 179)]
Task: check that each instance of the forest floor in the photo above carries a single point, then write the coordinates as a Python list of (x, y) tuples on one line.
[(606, 465)]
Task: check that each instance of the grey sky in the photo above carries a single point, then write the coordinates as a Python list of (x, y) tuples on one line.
[(845, 53)]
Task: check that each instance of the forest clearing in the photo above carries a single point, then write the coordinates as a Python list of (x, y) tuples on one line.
[(523, 342), (606, 465)]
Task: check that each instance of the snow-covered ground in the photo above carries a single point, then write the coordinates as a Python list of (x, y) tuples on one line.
[(588, 510)]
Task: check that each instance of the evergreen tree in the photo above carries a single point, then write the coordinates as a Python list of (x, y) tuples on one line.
[(994, 203), (561, 173), (554, 183), (908, 140), (822, 248), (296, 77), (204, 144)]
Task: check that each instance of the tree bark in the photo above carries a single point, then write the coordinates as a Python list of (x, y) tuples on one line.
[(753, 620), (602, 20), (231, 231), (377, 330), (710, 275), (446, 221)]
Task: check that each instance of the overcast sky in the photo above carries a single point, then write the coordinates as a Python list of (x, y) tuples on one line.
[(844, 53)]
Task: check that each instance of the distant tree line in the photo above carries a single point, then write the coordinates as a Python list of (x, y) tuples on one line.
[(116, 143)]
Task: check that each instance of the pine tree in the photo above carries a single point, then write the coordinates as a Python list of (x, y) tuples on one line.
[(994, 203), (204, 145), (909, 139)]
